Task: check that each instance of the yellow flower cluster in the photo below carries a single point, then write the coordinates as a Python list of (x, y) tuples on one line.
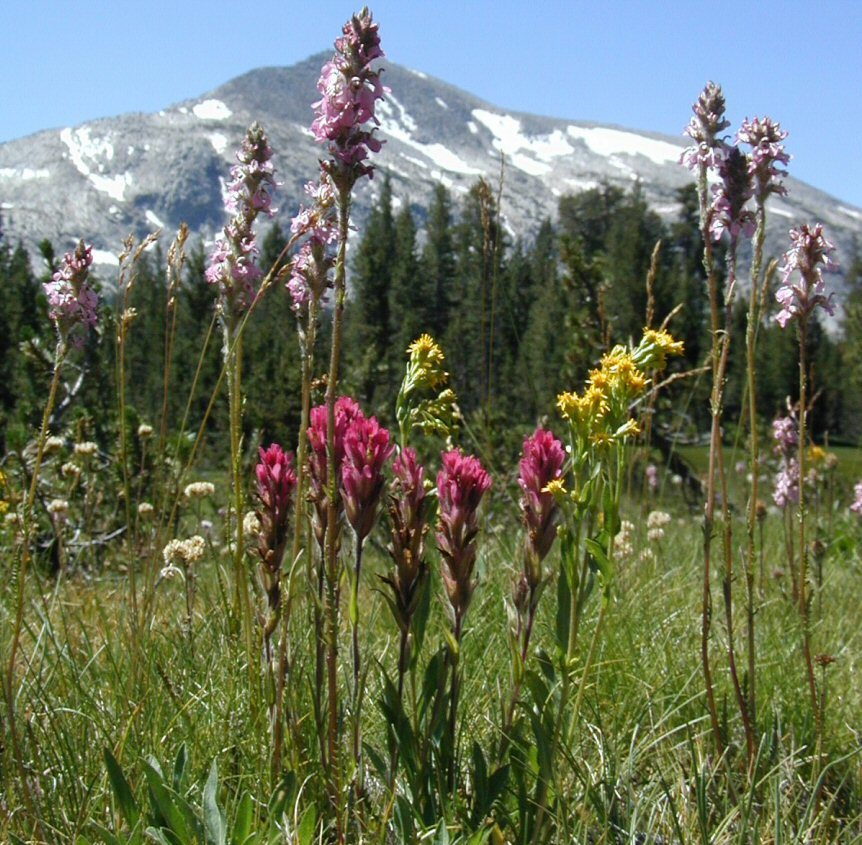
[(600, 415), (422, 400), (426, 363), (583, 410), (655, 347)]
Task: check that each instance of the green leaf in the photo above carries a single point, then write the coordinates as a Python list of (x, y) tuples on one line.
[(214, 820), (442, 834), (180, 767), (420, 619), (564, 610), (158, 836), (243, 821), (307, 827), (122, 791), (106, 836), (174, 811)]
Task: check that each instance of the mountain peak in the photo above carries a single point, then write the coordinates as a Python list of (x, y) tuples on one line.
[(136, 172)]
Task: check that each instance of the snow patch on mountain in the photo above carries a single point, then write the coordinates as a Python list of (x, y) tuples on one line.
[(211, 110), (219, 141), (856, 215), (608, 142), (400, 127), (441, 103), (509, 137), (102, 256), (85, 152), (27, 174)]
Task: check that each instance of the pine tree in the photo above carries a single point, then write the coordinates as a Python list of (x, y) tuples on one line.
[(368, 332), (271, 358), (437, 262), (410, 296)]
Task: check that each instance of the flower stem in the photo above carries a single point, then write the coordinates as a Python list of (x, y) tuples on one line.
[(803, 548), (331, 558)]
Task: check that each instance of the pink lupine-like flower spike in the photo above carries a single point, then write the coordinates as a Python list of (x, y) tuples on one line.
[(728, 212), (72, 303), (461, 483), (541, 463), (785, 432), (705, 128), (786, 435), (367, 448), (309, 277), (856, 507), (767, 152), (349, 90), (346, 411), (232, 264), (809, 257)]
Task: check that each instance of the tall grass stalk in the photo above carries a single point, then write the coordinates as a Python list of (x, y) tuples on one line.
[(19, 575), (804, 600)]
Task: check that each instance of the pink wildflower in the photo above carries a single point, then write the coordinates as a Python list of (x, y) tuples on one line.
[(786, 488), (728, 211), (542, 462), (232, 263), (786, 435), (346, 411), (72, 302), (276, 481), (704, 129), (767, 152), (652, 477), (408, 506), (367, 447), (461, 483), (809, 256), (856, 507), (349, 90)]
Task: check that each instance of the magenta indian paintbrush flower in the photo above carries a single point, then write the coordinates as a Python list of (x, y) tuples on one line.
[(349, 90), (809, 257), (767, 152), (276, 481), (461, 483), (346, 411), (408, 506), (541, 463), (72, 302), (367, 448), (233, 266)]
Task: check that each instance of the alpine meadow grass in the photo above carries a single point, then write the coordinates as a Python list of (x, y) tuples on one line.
[(424, 622)]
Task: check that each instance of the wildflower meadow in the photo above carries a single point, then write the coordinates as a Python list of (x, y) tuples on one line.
[(605, 590)]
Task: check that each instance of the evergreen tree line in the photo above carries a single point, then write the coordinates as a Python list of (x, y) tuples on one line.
[(519, 321)]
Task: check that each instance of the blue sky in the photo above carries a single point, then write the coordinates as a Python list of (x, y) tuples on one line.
[(635, 63)]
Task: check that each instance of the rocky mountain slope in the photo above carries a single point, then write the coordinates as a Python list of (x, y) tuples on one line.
[(137, 172)]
